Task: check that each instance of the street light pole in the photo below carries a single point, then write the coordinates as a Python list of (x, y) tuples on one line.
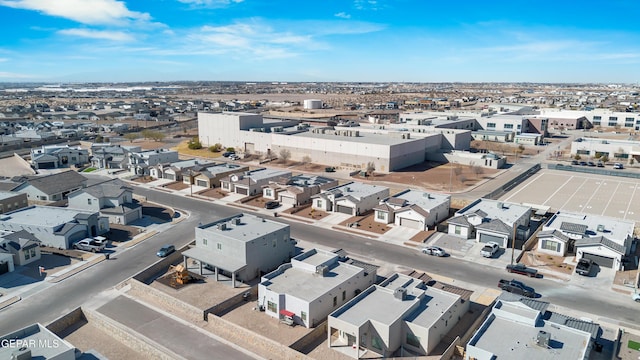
[(513, 243)]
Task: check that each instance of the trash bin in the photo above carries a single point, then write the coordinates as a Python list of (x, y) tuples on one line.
[(106, 256)]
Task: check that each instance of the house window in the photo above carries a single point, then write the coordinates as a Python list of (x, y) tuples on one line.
[(335, 301), (88, 201), (271, 306), (491, 125), (376, 343), (551, 245), (597, 118), (268, 192), (32, 252), (27, 256), (381, 215), (204, 241), (508, 126), (303, 316), (344, 295), (219, 245), (275, 242), (319, 203), (458, 230), (413, 340)]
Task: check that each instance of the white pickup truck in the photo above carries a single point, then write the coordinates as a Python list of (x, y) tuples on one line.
[(489, 249), (95, 244)]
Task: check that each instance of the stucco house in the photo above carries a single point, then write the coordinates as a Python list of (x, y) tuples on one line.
[(491, 220), (297, 190), (210, 176), (113, 199), (252, 182), (56, 156), (353, 198), (50, 188), (22, 245), (413, 209)]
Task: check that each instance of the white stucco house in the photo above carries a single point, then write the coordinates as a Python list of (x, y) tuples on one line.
[(353, 198), (413, 209)]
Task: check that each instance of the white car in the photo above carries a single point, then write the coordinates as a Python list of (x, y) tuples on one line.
[(434, 250), (618, 166), (490, 249), (636, 297)]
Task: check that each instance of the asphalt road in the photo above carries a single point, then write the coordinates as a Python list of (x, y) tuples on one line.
[(57, 300)]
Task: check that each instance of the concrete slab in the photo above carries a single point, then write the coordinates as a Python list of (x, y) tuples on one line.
[(184, 340)]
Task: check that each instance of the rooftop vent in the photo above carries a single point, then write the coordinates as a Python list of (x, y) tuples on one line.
[(600, 228), (543, 339), (400, 293), (222, 226), (322, 270), (235, 221)]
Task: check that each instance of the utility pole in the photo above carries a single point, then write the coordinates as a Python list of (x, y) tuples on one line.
[(513, 243)]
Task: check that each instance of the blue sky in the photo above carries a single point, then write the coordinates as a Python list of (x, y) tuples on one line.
[(320, 40)]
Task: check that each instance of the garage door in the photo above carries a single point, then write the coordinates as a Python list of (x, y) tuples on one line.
[(485, 238), (169, 176), (287, 200), (344, 209), (242, 191), (4, 267), (410, 223), (47, 165), (202, 183), (600, 260)]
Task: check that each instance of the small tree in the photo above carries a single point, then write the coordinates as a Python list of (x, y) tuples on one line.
[(230, 149), (371, 167), (215, 148), (306, 160), (131, 136), (478, 170), (157, 136), (285, 154), (604, 158), (99, 139), (577, 157), (457, 170), (462, 179), (146, 133), (194, 144)]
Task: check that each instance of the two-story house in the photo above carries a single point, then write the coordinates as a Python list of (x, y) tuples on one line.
[(297, 190), (414, 209), (353, 198), (113, 199)]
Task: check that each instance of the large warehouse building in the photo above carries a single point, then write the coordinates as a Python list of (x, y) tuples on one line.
[(345, 148)]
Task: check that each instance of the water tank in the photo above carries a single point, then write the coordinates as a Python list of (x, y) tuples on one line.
[(312, 104)]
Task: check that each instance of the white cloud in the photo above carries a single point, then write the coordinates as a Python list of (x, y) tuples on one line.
[(97, 34), (10, 75), (3, 59), (342, 15), (93, 12), (210, 3)]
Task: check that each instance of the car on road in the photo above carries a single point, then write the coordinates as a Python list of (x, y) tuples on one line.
[(591, 163), (575, 162), (234, 157), (583, 163), (636, 297), (434, 250), (516, 287), (600, 164), (584, 267), (490, 249), (271, 204), (228, 153), (522, 270), (166, 250), (618, 166)]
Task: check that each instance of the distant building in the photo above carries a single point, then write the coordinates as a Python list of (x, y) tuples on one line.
[(141, 162), (242, 247), (10, 201), (211, 176), (252, 182), (56, 156), (50, 188), (298, 189), (113, 199), (353, 198), (413, 209), (311, 104), (616, 150)]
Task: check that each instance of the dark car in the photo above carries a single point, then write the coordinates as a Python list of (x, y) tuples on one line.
[(575, 162), (584, 267), (600, 164), (516, 287), (228, 153), (583, 163), (166, 250), (591, 163), (522, 270), (271, 204)]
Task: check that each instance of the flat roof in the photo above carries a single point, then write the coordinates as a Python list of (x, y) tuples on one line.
[(356, 189), (504, 211), (266, 173), (8, 194), (224, 167), (305, 284), (424, 199), (613, 228), (42, 216), (364, 137), (43, 343), (248, 227), (308, 180), (423, 305), (507, 338)]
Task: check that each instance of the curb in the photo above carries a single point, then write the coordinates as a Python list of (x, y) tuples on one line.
[(145, 236), (78, 269), (9, 302)]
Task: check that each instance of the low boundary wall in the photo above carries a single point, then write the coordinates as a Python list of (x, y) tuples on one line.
[(149, 274), (170, 301), (320, 332), (592, 170), (513, 182)]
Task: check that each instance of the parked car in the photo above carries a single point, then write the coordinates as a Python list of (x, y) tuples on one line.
[(636, 297), (228, 153), (271, 204), (234, 157), (516, 287), (522, 270), (600, 164), (489, 249), (434, 250), (166, 250), (575, 162), (583, 163), (584, 267), (591, 163), (94, 245), (618, 166)]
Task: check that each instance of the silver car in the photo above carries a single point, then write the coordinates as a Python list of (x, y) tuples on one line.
[(434, 250)]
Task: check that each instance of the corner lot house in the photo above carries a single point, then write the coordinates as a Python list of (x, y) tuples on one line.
[(353, 198), (313, 285), (602, 239), (401, 312), (210, 176), (490, 220), (242, 246), (514, 330), (141, 162), (56, 156), (51, 188), (55, 227), (413, 209), (113, 199), (298, 189)]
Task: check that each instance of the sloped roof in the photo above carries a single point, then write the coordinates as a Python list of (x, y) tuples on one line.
[(578, 324), (557, 234), (21, 240), (495, 225), (415, 208), (57, 183), (383, 207), (573, 228), (601, 240), (459, 220), (110, 189)]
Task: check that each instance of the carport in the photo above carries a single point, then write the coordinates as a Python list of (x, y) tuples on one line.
[(215, 261)]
